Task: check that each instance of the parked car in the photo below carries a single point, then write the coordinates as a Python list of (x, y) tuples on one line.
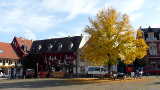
[(96, 71), (121, 76)]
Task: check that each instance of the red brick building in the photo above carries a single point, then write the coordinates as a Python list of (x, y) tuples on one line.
[(152, 60)]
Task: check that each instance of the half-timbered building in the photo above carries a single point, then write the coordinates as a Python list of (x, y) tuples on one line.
[(56, 55), (8, 59), (22, 48)]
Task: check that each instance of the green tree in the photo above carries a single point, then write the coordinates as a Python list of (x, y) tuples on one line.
[(112, 38)]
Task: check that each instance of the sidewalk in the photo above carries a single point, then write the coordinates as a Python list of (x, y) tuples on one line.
[(3, 78), (97, 80), (79, 80)]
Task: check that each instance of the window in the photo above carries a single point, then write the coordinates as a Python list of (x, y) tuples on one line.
[(159, 37), (1, 51), (54, 58), (50, 46), (3, 62), (59, 46), (50, 57), (94, 69), (152, 49), (19, 62), (10, 62), (14, 43), (7, 61), (22, 47), (39, 47), (26, 49), (70, 46), (151, 36)]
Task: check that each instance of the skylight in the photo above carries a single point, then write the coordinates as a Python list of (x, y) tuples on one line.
[(1, 51)]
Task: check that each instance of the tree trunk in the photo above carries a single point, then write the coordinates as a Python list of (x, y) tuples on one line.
[(109, 68), (109, 65)]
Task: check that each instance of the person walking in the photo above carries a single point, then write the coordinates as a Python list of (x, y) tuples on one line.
[(132, 75)]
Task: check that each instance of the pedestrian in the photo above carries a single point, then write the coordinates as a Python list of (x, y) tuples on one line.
[(132, 74), (141, 73), (114, 75)]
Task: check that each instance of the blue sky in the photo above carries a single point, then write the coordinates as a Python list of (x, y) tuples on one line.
[(43, 19)]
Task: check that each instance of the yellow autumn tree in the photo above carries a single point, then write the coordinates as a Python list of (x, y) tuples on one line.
[(112, 38)]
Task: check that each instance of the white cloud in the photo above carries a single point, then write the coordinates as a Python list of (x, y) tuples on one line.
[(29, 35), (75, 31), (20, 15), (63, 34), (135, 16), (155, 25), (32, 16), (58, 35), (28, 20), (133, 5), (72, 7), (40, 16), (130, 7), (126, 6)]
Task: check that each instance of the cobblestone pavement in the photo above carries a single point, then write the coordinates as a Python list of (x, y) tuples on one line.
[(62, 84)]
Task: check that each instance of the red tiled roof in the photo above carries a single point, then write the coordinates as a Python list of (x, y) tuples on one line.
[(6, 51), (22, 41)]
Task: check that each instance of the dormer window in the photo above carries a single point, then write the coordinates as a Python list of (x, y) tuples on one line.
[(59, 46), (22, 47), (39, 47), (1, 51), (26, 49), (50, 46), (70, 45), (14, 43)]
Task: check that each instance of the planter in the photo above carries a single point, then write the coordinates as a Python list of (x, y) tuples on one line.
[(43, 74), (58, 74)]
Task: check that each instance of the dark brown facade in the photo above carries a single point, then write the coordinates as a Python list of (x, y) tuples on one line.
[(152, 38), (55, 55), (42, 56)]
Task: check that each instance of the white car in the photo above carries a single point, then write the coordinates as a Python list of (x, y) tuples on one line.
[(96, 70)]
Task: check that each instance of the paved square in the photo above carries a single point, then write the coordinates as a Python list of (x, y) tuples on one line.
[(62, 84)]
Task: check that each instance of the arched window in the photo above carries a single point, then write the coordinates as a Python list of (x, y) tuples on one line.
[(70, 45), (59, 46), (50, 46), (39, 47)]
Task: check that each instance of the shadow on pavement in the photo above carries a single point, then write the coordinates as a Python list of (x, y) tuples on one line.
[(39, 84), (158, 83)]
